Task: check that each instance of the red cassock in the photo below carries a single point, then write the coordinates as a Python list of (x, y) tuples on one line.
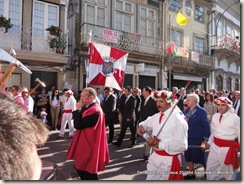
[(89, 147)]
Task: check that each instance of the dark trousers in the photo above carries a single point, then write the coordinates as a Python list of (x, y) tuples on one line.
[(84, 175), (124, 126), (110, 124)]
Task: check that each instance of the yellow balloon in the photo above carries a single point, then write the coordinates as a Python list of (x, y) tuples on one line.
[(181, 19)]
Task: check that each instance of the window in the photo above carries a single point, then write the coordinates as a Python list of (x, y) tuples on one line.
[(219, 83), (228, 83), (12, 9), (44, 15), (176, 37), (95, 12), (1, 7), (147, 22), (175, 5), (237, 85), (199, 13), (123, 16), (199, 45)]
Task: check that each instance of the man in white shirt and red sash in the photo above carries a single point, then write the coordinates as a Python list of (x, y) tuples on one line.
[(89, 148), (225, 133), (163, 164), (68, 108)]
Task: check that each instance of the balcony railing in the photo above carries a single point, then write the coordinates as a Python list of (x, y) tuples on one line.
[(27, 38), (199, 61), (123, 40), (227, 42)]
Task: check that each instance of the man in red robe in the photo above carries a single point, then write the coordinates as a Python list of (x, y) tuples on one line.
[(89, 147)]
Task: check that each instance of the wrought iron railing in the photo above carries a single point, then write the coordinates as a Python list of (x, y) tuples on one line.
[(198, 60), (226, 41), (130, 42), (27, 38)]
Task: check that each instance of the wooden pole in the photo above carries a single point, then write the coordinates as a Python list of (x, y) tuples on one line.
[(34, 89), (6, 75)]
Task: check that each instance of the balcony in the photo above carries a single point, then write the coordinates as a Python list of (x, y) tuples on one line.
[(32, 42), (201, 66), (228, 48), (131, 42)]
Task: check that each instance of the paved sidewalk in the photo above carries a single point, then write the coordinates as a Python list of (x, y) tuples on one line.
[(125, 163)]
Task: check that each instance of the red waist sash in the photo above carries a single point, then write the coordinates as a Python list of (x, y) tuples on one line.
[(175, 171), (231, 156), (68, 111)]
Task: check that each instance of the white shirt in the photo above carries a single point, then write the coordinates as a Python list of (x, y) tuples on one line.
[(173, 135), (146, 99), (29, 103), (100, 97), (54, 101), (227, 129), (237, 106), (70, 104)]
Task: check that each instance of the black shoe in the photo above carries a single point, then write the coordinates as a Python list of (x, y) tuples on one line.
[(116, 144), (189, 177), (145, 157), (131, 146)]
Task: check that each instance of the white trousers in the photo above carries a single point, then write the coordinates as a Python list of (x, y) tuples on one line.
[(216, 169), (158, 167), (67, 118)]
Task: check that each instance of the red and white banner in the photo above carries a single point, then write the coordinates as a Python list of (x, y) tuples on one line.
[(106, 66)]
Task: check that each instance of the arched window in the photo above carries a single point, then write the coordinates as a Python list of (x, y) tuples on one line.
[(228, 83), (219, 83), (237, 85)]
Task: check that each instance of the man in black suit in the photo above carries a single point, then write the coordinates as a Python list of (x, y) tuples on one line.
[(137, 93), (148, 108), (120, 103), (128, 117), (109, 109), (180, 102), (201, 98), (237, 103)]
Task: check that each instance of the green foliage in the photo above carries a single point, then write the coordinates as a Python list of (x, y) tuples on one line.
[(54, 30), (5, 23)]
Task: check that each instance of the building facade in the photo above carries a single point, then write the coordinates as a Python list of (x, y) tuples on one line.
[(32, 42), (225, 44), (144, 29)]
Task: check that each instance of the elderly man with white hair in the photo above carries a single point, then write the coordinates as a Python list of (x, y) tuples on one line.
[(163, 164), (68, 107), (225, 132)]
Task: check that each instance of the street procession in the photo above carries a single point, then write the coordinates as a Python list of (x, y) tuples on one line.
[(120, 90)]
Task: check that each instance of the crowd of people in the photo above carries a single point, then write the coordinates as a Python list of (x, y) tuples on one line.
[(177, 123)]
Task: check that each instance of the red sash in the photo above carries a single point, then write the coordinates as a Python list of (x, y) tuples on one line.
[(61, 116), (175, 168), (231, 156)]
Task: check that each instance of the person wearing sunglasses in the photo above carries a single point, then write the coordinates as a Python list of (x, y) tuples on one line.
[(54, 102), (224, 142), (185, 106)]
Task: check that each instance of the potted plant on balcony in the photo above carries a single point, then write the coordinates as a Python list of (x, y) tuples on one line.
[(5, 23), (54, 30), (58, 43)]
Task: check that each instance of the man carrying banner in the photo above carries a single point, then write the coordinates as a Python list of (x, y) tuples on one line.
[(171, 141)]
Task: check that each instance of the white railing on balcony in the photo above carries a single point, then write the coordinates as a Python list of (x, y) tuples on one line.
[(26, 38), (126, 41)]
